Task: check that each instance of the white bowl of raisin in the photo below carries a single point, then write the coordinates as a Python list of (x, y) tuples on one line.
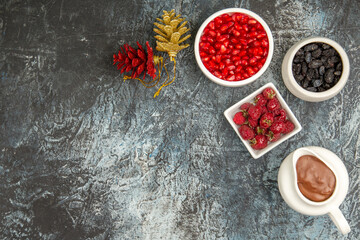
[(315, 69)]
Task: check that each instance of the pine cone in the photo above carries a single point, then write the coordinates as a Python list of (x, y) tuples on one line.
[(170, 33), (135, 60)]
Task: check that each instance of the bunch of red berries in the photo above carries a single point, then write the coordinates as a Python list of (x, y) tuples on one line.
[(264, 121)]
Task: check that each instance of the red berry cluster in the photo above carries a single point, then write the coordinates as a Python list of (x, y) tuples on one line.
[(234, 47), (263, 122)]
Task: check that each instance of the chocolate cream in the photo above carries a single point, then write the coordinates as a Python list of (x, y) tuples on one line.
[(315, 180)]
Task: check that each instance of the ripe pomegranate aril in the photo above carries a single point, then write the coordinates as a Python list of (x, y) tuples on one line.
[(223, 49), (218, 21), (245, 75), (259, 26), (236, 16), (250, 71), (226, 42), (212, 33), (246, 57), (260, 51), (224, 72), (245, 19), (224, 27), (217, 74), (238, 26), (252, 22), (235, 58), (211, 40), (203, 38), (238, 46), (212, 25), (265, 43), (231, 67), (238, 76), (243, 41), (234, 40), (212, 50), (217, 45), (222, 65), (253, 34), (245, 27), (205, 59), (221, 38), (253, 60), (242, 53), (261, 35), (244, 62), (231, 78), (212, 65), (265, 53), (237, 63), (227, 61), (218, 58), (256, 43), (235, 52), (236, 33), (256, 69), (202, 54), (260, 65)]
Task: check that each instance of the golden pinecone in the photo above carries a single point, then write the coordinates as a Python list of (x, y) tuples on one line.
[(170, 33)]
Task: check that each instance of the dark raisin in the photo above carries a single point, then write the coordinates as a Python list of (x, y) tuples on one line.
[(310, 74), (329, 75), (308, 57), (337, 73), (297, 68), (305, 83), (299, 52), (311, 47), (321, 89), (321, 70), (339, 66), (311, 89), (299, 77), (328, 52), (325, 46), (316, 53), (317, 83), (315, 63), (304, 68)]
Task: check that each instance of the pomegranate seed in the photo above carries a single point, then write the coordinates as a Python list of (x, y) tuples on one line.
[(261, 35), (223, 49), (235, 58), (235, 52), (205, 59), (211, 40), (218, 21), (224, 27), (246, 57), (231, 78), (231, 67), (217, 74), (245, 27), (265, 43), (238, 77), (244, 62), (250, 71), (212, 33), (259, 26), (253, 60), (227, 61), (245, 19), (221, 65), (252, 22), (238, 68), (245, 75), (224, 72), (253, 34), (243, 41), (237, 63), (236, 33), (236, 17), (242, 53), (234, 40), (256, 43), (238, 26), (212, 25), (218, 58), (203, 38), (212, 50), (203, 54), (217, 45), (226, 42), (222, 38), (238, 46)]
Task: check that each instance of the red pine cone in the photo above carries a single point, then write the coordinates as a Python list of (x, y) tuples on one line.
[(135, 60)]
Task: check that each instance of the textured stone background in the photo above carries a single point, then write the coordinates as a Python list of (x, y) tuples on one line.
[(84, 155)]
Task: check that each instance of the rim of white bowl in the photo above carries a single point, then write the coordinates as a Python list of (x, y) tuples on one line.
[(226, 83), (344, 75)]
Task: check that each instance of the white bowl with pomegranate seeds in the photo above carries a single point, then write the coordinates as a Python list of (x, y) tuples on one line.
[(269, 131), (234, 47)]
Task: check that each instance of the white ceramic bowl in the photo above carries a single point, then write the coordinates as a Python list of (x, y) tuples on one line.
[(230, 112), (222, 82), (300, 92)]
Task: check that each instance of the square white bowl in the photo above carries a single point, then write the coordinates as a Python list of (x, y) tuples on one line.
[(230, 112)]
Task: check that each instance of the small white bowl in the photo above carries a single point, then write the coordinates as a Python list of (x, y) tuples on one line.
[(230, 112), (222, 82), (300, 92)]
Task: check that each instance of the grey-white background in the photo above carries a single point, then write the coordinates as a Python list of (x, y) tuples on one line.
[(85, 155)]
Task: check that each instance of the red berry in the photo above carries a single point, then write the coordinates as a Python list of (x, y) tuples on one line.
[(245, 106), (239, 118), (260, 100), (280, 115), (259, 142), (266, 120), (260, 131), (253, 123), (273, 137), (289, 127), (278, 127), (273, 104), (246, 132), (255, 112), (264, 110), (269, 93)]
